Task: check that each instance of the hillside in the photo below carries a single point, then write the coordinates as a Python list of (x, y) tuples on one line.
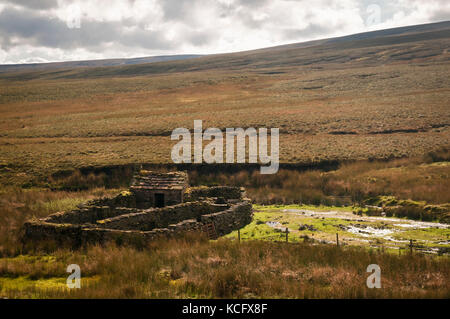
[(376, 95), (399, 45), (5, 68)]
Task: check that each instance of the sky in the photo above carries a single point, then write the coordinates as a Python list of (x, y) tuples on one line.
[(66, 30)]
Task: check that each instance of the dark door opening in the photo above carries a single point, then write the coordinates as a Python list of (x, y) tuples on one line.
[(159, 200)]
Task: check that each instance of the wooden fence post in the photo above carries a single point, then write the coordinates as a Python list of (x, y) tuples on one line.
[(410, 246), (337, 239), (287, 232)]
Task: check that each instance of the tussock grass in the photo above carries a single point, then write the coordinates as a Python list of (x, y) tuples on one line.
[(18, 205), (410, 178), (48, 125), (196, 268)]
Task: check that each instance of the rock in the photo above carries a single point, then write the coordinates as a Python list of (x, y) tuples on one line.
[(307, 227)]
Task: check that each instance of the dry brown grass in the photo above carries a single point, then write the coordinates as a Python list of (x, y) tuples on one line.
[(353, 113), (195, 268), (410, 178), (18, 205)]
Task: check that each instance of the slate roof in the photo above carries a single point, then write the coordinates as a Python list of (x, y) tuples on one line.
[(160, 181)]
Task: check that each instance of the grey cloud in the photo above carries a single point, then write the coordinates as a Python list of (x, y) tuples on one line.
[(387, 8), (244, 16), (36, 29), (443, 15), (177, 9), (182, 10), (252, 3), (250, 22), (312, 30), (32, 4), (200, 38)]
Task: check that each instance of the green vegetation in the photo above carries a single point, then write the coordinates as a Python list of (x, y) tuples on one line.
[(427, 236), (196, 268), (321, 224), (261, 266), (391, 206), (28, 276)]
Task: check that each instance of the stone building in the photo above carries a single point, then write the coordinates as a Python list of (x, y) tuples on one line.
[(155, 189), (156, 205)]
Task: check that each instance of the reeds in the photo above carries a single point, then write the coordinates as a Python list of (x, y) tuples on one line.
[(196, 268)]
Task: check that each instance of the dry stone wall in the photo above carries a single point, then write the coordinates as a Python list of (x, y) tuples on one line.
[(235, 217), (161, 217), (225, 192), (118, 219)]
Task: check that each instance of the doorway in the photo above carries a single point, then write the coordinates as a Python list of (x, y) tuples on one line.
[(159, 200)]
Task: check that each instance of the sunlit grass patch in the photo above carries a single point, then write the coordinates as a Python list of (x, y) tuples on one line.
[(270, 223), (321, 208), (258, 230), (428, 234), (27, 287)]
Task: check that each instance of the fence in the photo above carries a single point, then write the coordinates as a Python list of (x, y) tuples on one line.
[(283, 236)]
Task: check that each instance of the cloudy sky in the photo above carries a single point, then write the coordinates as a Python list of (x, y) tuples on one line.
[(62, 30)]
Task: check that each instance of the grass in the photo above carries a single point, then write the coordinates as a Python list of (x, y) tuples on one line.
[(262, 266), (49, 125), (259, 230), (321, 208), (410, 178), (226, 269), (18, 205), (325, 228), (429, 234)]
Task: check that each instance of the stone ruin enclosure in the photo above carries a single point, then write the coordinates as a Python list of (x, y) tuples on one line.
[(156, 205)]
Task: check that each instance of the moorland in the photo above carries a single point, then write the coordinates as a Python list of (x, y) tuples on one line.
[(364, 120)]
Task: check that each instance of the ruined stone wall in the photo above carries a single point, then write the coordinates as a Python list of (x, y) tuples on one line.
[(161, 217), (100, 235), (61, 234), (225, 221), (118, 219), (225, 192), (88, 215), (236, 217)]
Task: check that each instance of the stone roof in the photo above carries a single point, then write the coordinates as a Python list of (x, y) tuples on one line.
[(160, 181)]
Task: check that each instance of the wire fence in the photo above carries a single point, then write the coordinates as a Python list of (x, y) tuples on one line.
[(284, 236)]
